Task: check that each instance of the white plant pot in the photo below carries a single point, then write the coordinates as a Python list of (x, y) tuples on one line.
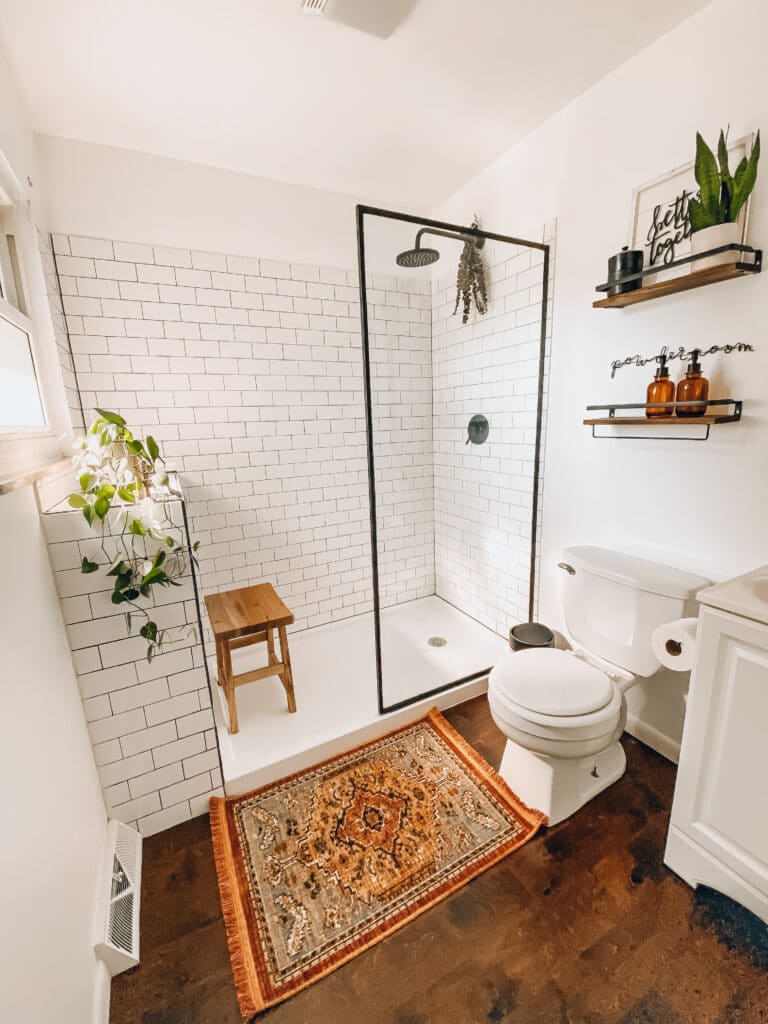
[(713, 238)]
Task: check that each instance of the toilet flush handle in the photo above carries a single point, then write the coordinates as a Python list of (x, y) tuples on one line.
[(568, 568)]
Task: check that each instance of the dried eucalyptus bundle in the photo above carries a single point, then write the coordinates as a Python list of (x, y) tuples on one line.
[(470, 281)]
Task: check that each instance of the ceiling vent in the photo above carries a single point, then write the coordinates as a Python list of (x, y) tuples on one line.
[(378, 18)]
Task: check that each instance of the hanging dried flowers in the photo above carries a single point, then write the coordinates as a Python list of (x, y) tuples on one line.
[(470, 280)]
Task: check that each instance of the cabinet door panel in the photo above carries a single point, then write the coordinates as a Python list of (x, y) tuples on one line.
[(722, 795)]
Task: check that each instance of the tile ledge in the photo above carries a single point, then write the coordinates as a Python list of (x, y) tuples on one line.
[(28, 476)]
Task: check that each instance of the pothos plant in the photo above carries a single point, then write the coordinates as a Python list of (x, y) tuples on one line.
[(722, 195), (470, 280), (120, 473)]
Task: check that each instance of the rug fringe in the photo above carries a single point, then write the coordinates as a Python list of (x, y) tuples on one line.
[(249, 996)]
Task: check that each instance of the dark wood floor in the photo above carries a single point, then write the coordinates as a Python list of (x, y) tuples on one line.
[(584, 925)]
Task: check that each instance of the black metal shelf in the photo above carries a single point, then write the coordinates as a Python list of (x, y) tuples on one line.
[(695, 279), (708, 420)]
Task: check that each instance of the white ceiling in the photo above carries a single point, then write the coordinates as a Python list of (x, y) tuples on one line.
[(257, 86)]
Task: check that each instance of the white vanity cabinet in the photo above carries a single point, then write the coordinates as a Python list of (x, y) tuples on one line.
[(719, 829)]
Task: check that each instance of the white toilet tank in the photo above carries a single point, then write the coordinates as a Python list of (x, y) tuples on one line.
[(613, 602)]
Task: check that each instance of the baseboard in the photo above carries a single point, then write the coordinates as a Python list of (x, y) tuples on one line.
[(654, 738), (102, 990)]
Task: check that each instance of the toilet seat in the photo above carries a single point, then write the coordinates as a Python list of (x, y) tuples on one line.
[(588, 705), (553, 683)]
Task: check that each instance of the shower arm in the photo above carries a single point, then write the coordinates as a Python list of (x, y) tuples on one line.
[(457, 236)]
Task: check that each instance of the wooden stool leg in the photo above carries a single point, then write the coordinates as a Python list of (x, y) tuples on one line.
[(229, 688), (286, 675), (271, 657), (219, 663)]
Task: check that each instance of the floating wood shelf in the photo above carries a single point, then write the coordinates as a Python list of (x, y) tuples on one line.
[(708, 420), (654, 421), (686, 282)]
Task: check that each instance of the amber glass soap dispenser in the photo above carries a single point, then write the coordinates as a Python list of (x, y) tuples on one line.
[(693, 388), (661, 389)]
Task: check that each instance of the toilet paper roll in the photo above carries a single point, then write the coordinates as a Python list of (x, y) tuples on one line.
[(674, 644)]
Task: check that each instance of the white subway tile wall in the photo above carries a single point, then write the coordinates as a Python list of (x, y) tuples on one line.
[(400, 347), (249, 374), (151, 723), (483, 493)]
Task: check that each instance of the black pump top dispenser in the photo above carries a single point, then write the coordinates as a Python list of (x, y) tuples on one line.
[(695, 366), (663, 370)]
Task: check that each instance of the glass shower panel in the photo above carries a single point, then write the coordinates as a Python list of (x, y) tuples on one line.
[(453, 430)]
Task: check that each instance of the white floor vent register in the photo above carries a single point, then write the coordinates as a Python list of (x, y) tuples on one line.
[(117, 920)]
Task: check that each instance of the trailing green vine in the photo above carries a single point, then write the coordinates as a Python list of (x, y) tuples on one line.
[(119, 471)]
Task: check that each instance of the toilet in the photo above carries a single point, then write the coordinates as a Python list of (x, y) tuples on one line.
[(564, 711)]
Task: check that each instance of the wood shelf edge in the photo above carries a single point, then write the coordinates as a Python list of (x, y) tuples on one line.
[(656, 421), (683, 283)]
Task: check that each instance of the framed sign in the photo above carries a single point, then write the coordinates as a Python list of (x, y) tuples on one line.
[(660, 224)]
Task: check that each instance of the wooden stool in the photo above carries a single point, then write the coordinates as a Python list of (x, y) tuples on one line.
[(247, 616)]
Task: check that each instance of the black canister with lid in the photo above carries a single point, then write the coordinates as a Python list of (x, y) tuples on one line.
[(628, 261)]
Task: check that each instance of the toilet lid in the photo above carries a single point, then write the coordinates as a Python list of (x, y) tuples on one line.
[(552, 682)]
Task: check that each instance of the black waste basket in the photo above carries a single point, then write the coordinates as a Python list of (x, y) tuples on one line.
[(527, 635)]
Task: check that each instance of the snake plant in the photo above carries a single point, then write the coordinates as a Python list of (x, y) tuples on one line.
[(722, 195)]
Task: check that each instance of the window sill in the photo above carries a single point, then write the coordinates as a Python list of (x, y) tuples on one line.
[(22, 477)]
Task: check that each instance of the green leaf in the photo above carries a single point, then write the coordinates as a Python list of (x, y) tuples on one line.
[(111, 417), (131, 594), (77, 500), (127, 493), (708, 178), (88, 513), (699, 217), (88, 566), (196, 545), (117, 597), (149, 631), (106, 491), (101, 507), (722, 158), (152, 448), (153, 576), (137, 528), (744, 180), (136, 448), (86, 481), (119, 568)]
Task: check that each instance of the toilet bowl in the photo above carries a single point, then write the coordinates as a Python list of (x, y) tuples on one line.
[(562, 718), (564, 711)]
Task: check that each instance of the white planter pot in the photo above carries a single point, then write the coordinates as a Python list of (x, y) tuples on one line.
[(712, 238)]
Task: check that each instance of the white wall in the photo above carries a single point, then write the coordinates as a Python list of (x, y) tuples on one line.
[(17, 147), (697, 505), (118, 193), (53, 813)]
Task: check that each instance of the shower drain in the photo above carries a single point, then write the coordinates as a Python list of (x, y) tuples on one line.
[(437, 641)]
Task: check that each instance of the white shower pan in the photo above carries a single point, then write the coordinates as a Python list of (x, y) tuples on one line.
[(334, 670)]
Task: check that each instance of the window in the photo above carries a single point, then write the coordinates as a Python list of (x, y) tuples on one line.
[(32, 405)]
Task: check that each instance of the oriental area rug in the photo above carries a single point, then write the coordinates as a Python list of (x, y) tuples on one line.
[(316, 868)]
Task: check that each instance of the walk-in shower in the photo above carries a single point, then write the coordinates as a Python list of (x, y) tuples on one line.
[(454, 444)]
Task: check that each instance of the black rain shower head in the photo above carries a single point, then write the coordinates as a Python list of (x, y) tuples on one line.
[(418, 257)]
